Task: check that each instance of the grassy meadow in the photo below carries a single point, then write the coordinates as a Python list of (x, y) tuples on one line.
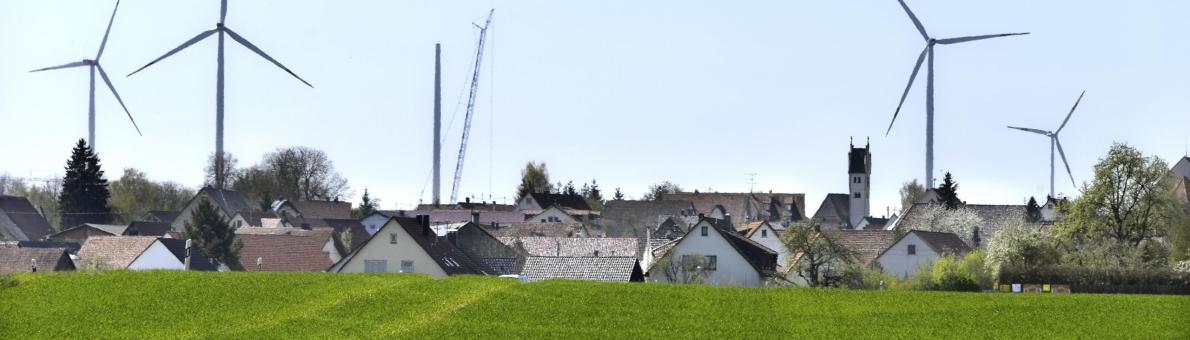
[(172, 304)]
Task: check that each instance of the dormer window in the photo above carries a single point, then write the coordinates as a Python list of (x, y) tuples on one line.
[(704, 230), (764, 233)]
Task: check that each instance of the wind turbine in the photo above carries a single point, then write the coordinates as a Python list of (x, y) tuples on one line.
[(94, 65), (222, 29), (1055, 143), (929, 51)]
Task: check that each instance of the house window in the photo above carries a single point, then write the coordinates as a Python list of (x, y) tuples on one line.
[(712, 262), (912, 249), (857, 195), (375, 266), (543, 220), (406, 266), (392, 238), (704, 230), (764, 233), (857, 180)]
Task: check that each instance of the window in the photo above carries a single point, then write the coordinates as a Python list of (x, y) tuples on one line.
[(857, 179), (375, 266), (857, 195), (764, 233), (912, 249), (712, 262), (406, 266), (704, 230), (392, 238)]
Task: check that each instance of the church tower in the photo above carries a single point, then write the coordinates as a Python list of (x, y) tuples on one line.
[(859, 173)]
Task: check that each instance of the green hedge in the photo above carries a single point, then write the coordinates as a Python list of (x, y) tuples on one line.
[(1100, 280)]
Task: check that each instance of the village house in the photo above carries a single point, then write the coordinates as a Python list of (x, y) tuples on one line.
[(990, 219), (15, 258), (745, 207), (227, 202), (140, 253), (867, 244), (80, 233), (409, 245), (607, 269), (373, 221), (907, 254), (540, 201), (21, 221), (763, 233), (713, 255), (479, 243), (255, 219), (167, 217), (624, 218), (313, 209)]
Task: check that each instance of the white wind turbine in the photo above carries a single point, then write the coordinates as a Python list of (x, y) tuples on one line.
[(1055, 143), (94, 65), (929, 51), (223, 30)]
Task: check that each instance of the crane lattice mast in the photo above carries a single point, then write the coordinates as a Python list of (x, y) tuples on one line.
[(483, 32)]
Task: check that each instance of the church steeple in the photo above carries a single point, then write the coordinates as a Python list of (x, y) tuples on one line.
[(859, 173)]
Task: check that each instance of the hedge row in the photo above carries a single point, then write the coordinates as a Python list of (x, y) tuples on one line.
[(1101, 280)]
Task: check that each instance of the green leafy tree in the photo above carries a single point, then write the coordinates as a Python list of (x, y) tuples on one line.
[(84, 190), (367, 205), (535, 178), (824, 258), (1128, 201), (948, 192), (212, 235), (911, 191), (134, 194), (658, 191)]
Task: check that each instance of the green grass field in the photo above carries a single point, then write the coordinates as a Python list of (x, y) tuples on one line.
[(309, 305)]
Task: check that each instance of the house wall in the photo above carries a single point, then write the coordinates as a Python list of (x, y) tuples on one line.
[(239, 222), (527, 203), (406, 249), (373, 223), (179, 224), (897, 261), (157, 256), (554, 213), (774, 243), (732, 268)]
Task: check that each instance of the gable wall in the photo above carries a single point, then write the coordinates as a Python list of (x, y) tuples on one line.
[(179, 224), (897, 261), (157, 256), (406, 249), (733, 268), (553, 212), (373, 223), (773, 242)]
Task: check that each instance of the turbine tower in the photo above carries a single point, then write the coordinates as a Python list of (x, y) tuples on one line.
[(94, 65), (222, 29), (1055, 143), (928, 51)]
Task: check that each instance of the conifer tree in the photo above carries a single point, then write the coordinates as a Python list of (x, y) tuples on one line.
[(948, 192), (84, 190), (212, 234)]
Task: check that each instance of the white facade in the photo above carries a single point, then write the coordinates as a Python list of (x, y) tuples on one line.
[(860, 184), (554, 215), (732, 269), (767, 236), (898, 261), (179, 223), (373, 222), (390, 250), (156, 256)]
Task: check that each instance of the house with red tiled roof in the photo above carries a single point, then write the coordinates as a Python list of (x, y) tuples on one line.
[(285, 250)]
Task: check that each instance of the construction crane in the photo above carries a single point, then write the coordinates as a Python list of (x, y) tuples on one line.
[(483, 32)]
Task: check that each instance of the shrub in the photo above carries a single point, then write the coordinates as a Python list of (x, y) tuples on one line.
[(861, 277), (7, 281), (1101, 279), (951, 273)]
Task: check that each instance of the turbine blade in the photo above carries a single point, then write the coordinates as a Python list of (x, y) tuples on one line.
[(920, 29), (103, 44), (183, 46), (74, 64), (1040, 132), (916, 67), (1064, 162), (252, 47), (223, 11), (118, 99), (1080, 98), (949, 41)]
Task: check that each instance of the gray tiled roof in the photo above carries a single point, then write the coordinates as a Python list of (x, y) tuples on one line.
[(993, 217), (530, 229), (943, 243), (323, 209), (575, 202), (113, 252), (14, 258), (570, 247), (868, 244), (21, 220), (835, 210), (230, 201), (613, 269), (630, 218)]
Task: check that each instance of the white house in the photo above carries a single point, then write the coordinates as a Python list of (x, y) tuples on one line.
[(715, 256), (553, 214), (139, 253), (226, 202), (767, 236), (409, 245), (917, 247)]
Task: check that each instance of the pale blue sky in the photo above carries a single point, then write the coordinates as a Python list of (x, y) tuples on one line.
[(627, 92)]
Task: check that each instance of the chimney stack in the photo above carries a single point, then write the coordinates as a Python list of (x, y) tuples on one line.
[(437, 124), (475, 217), (424, 221)]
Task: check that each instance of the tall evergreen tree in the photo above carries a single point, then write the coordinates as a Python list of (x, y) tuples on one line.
[(367, 205), (948, 192), (569, 189), (618, 195), (84, 190), (1032, 210), (593, 195), (212, 234)]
